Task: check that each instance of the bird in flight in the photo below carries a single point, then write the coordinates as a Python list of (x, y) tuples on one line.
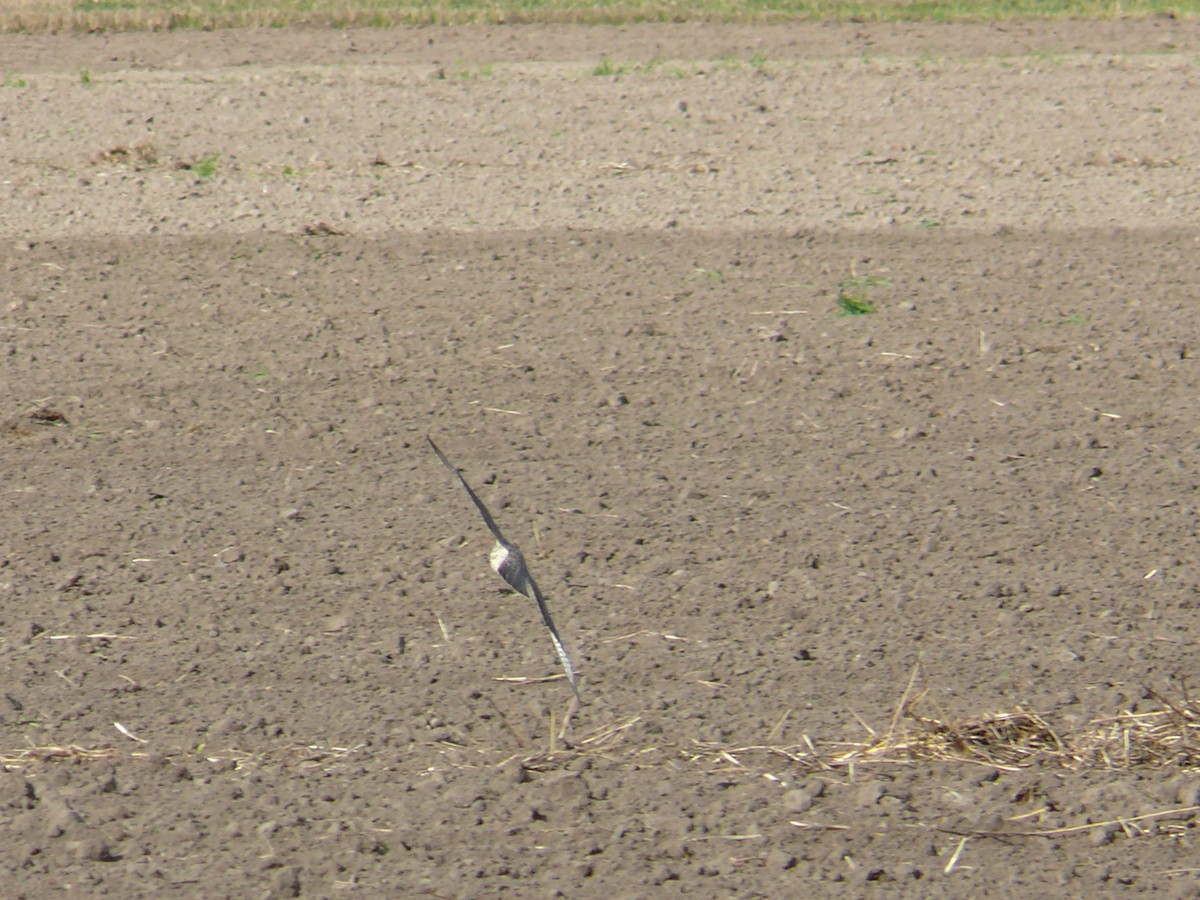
[(509, 563)]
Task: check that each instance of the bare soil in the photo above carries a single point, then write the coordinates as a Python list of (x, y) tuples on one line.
[(249, 643)]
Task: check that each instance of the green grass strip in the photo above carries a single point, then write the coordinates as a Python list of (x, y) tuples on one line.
[(150, 15)]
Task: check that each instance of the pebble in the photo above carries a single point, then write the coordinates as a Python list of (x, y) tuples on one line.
[(91, 849), (285, 883), (869, 794), (798, 801), (780, 861), (58, 817)]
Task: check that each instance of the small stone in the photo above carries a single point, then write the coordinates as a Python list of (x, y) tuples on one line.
[(779, 861), (517, 773), (227, 724), (798, 801), (25, 631), (566, 792), (70, 580), (92, 849), (266, 829), (869, 794), (336, 623), (59, 817), (285, 883), (1189, 792), (17, 793), (663, 873)]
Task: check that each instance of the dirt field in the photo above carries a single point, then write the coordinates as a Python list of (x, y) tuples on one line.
[(895, 602)]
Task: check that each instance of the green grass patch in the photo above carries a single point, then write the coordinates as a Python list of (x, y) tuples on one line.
[(205, 167), (849, 305), (487, 70), (607, 67), (1072, 319), (852, 299), (149, 15)]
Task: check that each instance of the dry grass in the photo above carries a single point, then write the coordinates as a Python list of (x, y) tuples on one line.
[(157, 15), (141, 155), (288, 755), (301, 757), (18, 759), (1165, 737), (1168, 736)]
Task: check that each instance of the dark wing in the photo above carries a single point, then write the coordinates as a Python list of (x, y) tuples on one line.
[(558, 644), (483, 510)]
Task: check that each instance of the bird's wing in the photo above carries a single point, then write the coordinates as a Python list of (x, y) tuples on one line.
[(483, 510), (558, 644), (537, 594)]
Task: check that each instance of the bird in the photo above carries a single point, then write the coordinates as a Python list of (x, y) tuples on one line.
[(508, 562)]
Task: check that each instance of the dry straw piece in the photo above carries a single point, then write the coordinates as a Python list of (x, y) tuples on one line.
[(21, 758), (1167, 736)]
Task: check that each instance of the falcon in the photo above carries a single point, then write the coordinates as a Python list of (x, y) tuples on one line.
[(509, 563)]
